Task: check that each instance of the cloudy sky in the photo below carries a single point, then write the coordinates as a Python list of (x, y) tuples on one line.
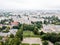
[(29, 4)]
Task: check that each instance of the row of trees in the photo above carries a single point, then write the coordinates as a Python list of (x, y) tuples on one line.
[(38, 24), (52, 20), (53, 37), (6, 20), (28, 27), (35, 27)]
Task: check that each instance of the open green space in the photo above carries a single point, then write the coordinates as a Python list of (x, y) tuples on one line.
[(29, 34)]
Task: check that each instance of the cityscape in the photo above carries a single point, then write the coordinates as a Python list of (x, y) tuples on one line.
[(29, 22)]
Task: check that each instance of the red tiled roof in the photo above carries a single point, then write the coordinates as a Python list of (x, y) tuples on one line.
[(14, 23)]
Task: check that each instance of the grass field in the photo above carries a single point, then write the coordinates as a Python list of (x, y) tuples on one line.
[(29, 34)]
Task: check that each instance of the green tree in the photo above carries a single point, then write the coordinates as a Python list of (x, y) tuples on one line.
[(19, 33), (57, 43), (45, 22), (11, 36), (35, 30), (41, 33), (45, 43)]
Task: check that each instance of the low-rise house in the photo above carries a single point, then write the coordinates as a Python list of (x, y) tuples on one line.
[(11, 31), (51, 28), (14, 23)]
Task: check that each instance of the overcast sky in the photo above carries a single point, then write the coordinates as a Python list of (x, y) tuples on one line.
[(29, 4)]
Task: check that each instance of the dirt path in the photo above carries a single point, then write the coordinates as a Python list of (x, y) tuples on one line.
[(32, 41)]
